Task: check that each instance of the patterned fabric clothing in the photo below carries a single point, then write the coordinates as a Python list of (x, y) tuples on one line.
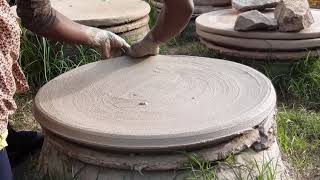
[(12, 79)]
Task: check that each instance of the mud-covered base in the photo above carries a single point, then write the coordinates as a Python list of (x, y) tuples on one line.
[(57, 165)]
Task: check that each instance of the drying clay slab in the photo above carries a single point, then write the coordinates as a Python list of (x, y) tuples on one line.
[(102, 12), (282, 56), (128, 27), (207, 2), (197, 9), (260, 44), (156, 103), (222, 22), (212, 2), (136, 34)]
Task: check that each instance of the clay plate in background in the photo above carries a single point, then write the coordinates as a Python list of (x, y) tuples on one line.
[(260, 44), (207, 2), (102, 12), (222, 22), (255, 55), (128, 27), (197, 9), (156, 103)]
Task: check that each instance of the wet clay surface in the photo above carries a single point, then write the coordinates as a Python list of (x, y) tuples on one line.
[(161, 102)]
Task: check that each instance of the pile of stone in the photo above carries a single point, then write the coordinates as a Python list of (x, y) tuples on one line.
[(200, 6), (262, 30), (127, 18)]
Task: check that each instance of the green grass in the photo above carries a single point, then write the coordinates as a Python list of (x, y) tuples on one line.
[(300, 83), (42, 60), (250, 170), (299, 139)]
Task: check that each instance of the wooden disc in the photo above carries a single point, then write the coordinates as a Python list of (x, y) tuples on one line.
[(102, 12), (260, 44), (255, 55), (157, 103), (222, 22)]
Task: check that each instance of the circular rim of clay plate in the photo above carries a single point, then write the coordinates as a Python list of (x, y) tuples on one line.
[(260, 44), (261, 56), (115, 12), (222, 22), (155, 104), (136, 34), (206, 2), (128, 27), (197, 9)]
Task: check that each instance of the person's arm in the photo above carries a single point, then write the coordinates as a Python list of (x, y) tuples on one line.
[(173, 18), (39, 17)]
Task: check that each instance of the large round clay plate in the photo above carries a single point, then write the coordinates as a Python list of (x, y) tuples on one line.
[(260, 44), (102, 12), (222, 22), (157, 103), (263, 56)]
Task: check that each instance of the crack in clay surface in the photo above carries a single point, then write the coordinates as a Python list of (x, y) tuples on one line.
[(222, 22), (190, 100), (102, 13)]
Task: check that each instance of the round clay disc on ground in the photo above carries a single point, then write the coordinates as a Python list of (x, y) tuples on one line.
[(197, 9), (128, 27), (136, 34), (260, 44), (156, 103), (102, 12), (222, 23), (207, 2), (263, 56)]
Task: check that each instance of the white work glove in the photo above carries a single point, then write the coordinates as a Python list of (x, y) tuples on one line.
[(146, 47), (109, 44)]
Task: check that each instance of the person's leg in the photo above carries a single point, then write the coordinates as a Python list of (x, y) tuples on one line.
[(5, 168), (21, 144)]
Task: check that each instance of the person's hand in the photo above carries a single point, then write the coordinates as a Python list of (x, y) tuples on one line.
[(146, 47), (109, 44)]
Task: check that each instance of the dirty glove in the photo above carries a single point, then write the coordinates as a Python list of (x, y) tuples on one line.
[(109, 44), (146, 47)]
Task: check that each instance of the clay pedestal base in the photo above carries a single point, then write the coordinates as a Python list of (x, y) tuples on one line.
[(57, 164)]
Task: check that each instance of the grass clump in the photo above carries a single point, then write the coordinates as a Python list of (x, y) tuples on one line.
[(42, 60), (251, 169), (299, 139), (300, 83)]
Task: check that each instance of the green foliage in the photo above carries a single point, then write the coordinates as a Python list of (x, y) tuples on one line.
[(42, 60), (299, 138), (300, 82)]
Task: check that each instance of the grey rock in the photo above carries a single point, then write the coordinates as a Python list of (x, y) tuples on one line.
[(293, 15), (254, 20), (247, 5)]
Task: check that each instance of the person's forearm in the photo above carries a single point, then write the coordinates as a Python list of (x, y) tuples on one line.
[(173, 18), (65, 30), (39, 17)]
